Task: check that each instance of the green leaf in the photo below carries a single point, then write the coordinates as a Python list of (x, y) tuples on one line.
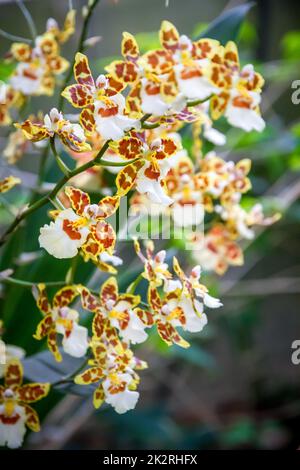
[(199, 28), (295, 129), (6, 69), (227, 26), (291, 45), (240, 433), (194, 355), (248, 34), (100, 64), (294, 161), (147, 41), (42, 367)]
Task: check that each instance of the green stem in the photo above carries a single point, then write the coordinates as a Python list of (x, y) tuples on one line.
[(28, 18), (62, 166), (196, 102), (10, 208), (42, 167), (106, 163), (152, 125), (51, 195), (145, 117), (20, 282), (71, 272), (69, 174), (134, 284), (69, 378), (61, 102), (13, 37)]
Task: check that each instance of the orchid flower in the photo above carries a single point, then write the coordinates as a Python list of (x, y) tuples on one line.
[(15, 410), (61, 319)]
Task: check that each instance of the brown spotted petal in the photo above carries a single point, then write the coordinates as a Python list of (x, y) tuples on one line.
[(169, 88), (158, 62), (79, 199), (91, 249), (185, 281), (13, 377), (8, 183), (169, 334), (79, 96), (82, 71), (98, 327), (57, 65), (154, 299), (107, 206), (218, 104), (168, 36), (33, 132), (231, 56), (133, 101), (109, 290), (73, 141), (145, 316), (126, 72), (52, 345), (42, 299), (88, 300), (87, 120), (21, 51), (44, 327), (89, 376), (105, 236), (133, 300), (129, 47), (114, 86), (129, 147), (127, 176), (168, 148), (32, 418), (65, 296), (33, 392), (98, 396), (205, 48)]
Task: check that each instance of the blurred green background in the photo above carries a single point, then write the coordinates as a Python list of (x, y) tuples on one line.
[(236, 387)]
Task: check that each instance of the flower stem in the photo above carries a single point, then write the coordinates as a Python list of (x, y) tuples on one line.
[(61, 102), (62, 166), (20, 282), (125, 163), (69, 378), (13, 37), (145, 117), (196, 102), (70, 174), (28, 18), (134, 284), (51, 195), (150, 125), (71, 272)]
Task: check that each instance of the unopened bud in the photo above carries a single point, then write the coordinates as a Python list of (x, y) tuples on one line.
[(92, 41)]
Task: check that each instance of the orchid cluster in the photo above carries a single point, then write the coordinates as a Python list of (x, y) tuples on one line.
[(121, 320), (38, 65), (129, 130), (37, 69)]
